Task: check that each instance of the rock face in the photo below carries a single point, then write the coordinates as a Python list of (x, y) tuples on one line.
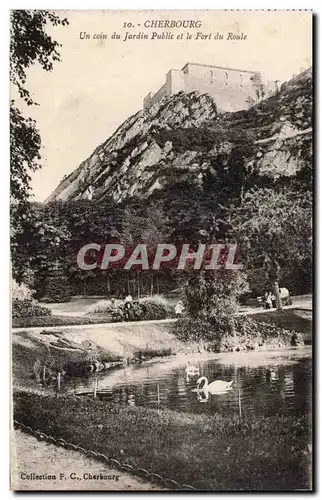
[(183, 135)]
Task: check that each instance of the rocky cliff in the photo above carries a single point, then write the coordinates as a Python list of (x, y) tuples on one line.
[(184, 136)]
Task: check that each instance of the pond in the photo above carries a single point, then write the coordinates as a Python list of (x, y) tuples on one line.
[(264, 383)]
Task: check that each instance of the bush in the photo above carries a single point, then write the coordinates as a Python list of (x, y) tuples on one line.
[(26, 308), (211, 298), (196, 330), (144, 354), (155, 299), (203, 138), (20, 291), (103, 307), (148, 308), (249, 334)]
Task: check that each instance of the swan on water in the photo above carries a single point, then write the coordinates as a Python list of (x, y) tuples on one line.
[(216, 386)]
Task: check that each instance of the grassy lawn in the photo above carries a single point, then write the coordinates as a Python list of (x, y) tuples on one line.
[(207, 452)]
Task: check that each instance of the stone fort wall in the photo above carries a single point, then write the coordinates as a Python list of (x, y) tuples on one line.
[(231, 88)]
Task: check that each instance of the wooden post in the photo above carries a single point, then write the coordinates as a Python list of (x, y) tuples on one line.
[(95, 387), (239, 404), (58, 381)]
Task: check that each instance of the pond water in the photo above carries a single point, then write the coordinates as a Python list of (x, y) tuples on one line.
[(264, 383)]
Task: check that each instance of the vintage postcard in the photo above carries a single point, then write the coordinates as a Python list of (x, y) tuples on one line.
[(161, 249)]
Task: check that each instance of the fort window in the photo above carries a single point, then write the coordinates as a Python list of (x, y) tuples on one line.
[(226, 78), (241, 79), (211, 76)]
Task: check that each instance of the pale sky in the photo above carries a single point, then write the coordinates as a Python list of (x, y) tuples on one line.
[(99, 84)]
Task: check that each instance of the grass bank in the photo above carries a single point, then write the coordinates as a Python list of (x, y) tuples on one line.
[(32, 352), (264, 330), (290, 319), (207, 452), (74, 348), (132, 342)]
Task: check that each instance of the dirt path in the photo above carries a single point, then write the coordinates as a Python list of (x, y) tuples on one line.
[(301, 301), (32, 458)]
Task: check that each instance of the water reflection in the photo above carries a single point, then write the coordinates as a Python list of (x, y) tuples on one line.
[(276, 384)]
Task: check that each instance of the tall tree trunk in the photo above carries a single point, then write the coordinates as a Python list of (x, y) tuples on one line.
[(138, 286), (158, 289), (277, 294), (151, 291)]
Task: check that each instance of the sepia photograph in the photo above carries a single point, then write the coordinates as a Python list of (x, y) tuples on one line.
[(161, 200)]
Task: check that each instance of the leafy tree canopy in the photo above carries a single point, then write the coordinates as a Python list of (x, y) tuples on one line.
[(273, 228), (30, 44)]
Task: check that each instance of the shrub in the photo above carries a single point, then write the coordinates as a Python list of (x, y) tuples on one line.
[(196, 330), (251, 333), (143, 354), (26, 308), (203, 138), (103, 307), (155, 299), (148, 308), (20, 291), (248, 334), (211, 297)]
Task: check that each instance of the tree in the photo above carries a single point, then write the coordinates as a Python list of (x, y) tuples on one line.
[(29, 44), (25, 145), (148, 225), (42, 245), (211, 301), (273, 229), (213, 296)]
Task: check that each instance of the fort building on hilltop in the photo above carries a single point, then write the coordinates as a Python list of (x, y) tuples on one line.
[(232, 89)]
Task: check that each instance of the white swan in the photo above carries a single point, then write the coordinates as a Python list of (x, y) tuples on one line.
[(216, 386)]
